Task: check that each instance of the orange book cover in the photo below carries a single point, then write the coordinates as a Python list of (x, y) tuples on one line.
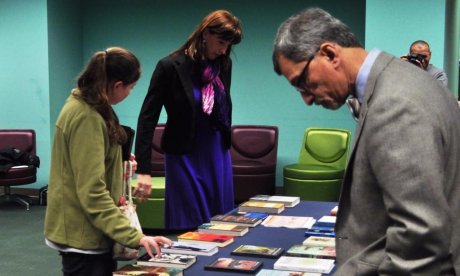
[(219, 240)]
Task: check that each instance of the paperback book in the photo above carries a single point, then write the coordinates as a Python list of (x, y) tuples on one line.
[(257, 251), (319, 241), (288, 201), (234, 265), (223, 229), (304, 264), (322, 252), (207, 238), (319, 233), (261, 207), (288, 221), (328, 221), (237, 219), (168, 260), (190, 248), (272, 272), (134, 269)]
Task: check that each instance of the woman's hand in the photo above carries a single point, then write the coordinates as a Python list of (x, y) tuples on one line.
[(156, 242), (144, 187)]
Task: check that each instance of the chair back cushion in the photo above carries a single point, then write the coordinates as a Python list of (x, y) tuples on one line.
[(254, 142), (158, 158), (23, 139), (326, 146)]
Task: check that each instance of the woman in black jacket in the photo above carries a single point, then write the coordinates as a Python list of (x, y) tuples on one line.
[(193, 84)]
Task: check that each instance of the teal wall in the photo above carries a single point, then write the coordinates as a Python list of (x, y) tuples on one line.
[(24, 71), (44, 45)]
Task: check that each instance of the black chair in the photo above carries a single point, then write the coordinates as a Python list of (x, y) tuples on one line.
[(23, 140)]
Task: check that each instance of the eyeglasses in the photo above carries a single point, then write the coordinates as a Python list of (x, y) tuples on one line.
[(301, 82)]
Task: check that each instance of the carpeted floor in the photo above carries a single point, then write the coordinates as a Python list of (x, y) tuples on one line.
[(22, 246)]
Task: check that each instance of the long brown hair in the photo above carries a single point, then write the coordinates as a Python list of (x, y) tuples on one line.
[(94, 82), (220, 22)]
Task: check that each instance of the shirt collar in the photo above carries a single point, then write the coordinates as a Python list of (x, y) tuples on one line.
[(363, 73)]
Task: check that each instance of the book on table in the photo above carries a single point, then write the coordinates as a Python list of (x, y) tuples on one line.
[(288, 201), (273, 272), (257, 251), (207, 238), (234, 265), (322, 252), (261, 206), (135, 269), (328, 221), (288, 221), (188, 248), (223, 229), (237, 219), (181, 261), (319, 241), (304, 264), (319, 233)]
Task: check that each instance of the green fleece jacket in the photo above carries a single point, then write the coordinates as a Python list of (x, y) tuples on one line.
[(85, 183)]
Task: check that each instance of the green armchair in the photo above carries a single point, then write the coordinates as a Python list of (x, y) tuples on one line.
[(150, 211), (318, 174)]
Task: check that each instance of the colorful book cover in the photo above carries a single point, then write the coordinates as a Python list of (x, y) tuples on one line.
[(319, 241), (168, 260), (224, 229), (216, 239), (234, 265), (190, 248), (134, 269), (236, 218), (288, 201), (301, 250), (261, 206), (257, 251), (288, 221)]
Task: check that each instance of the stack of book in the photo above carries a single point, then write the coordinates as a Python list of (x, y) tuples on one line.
[(319, 241), (312, 251), (324, 227), (223, 229), (189, 248), (261, 207), (206, 238), (304, 264), (180, 261), (136, 269), (288, 201), (272, 272), (243, 219)]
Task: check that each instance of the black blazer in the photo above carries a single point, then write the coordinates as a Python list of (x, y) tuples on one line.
[(171, 86)]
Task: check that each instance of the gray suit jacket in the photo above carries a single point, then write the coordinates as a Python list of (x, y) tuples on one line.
[(400, 203)]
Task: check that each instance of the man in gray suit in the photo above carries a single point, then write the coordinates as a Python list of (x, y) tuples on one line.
[(400, 201)]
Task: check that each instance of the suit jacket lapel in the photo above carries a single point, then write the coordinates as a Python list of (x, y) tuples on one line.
[(185, 68)]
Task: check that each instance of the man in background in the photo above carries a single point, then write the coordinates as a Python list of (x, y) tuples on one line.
[(400, 198), (421, 50)]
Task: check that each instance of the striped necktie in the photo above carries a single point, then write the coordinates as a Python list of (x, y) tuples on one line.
[(354, 105)]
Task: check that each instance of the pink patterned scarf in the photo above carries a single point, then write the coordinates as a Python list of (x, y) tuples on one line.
[(210, 78)]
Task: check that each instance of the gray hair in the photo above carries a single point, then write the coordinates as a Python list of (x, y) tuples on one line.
[(300, 36)]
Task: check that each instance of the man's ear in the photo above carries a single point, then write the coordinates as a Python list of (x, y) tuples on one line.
[(328, 50)]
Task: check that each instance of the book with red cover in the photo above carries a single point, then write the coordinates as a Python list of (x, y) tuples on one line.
[(208, 238), (135, 269), (234, 265)]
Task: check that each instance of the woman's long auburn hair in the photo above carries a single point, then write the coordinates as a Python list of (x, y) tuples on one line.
[(97, 79), (220, 22)]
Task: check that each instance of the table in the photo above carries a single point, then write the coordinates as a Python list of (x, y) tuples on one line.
[(265, 236)]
